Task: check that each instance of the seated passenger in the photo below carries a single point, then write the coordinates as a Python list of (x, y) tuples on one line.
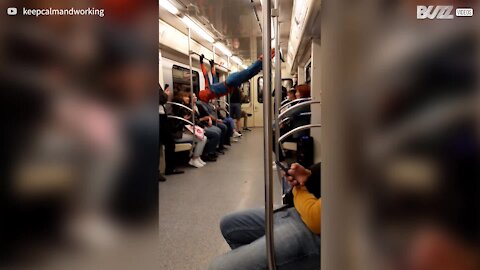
[(228, 121), (181, 134), (217, 89), (206, 110), (296, 230), (295, 118), (212, 132), (298, 117), (291, 96)]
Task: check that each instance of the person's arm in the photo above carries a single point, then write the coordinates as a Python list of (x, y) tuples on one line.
[(307, 204), (308, 207)]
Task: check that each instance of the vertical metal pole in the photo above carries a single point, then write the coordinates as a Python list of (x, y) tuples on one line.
[(278, 82), (267, 131), (191, 78), (228, 96)]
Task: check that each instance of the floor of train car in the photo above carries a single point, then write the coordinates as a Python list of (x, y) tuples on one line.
[(192, 204)]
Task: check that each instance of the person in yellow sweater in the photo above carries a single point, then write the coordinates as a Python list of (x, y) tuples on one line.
[(296, 229)]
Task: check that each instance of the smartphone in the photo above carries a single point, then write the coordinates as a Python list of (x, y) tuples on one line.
[(283, 167)]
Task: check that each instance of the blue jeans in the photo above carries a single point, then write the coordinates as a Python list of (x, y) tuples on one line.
[(213, 134), (296, 247), (237, 78), (230, 124), (224, 134)]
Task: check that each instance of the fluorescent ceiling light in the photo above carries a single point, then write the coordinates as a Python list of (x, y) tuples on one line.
[(223, 48), (168, 6), (237, 60), (197, 29)]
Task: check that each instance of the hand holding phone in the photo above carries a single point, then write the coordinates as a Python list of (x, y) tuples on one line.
[(298, 174), (283, 167)]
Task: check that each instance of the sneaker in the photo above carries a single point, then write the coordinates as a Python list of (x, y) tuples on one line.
[(236, 134), (247, 129), (234, 140), (195, 163), (201, 161)]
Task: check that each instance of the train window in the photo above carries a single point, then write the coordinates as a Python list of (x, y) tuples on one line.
[(260, 90), (308, 72), (246, 92), (287, 83), (181, 79)]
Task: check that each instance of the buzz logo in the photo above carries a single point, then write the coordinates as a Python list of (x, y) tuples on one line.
[(434, 12)]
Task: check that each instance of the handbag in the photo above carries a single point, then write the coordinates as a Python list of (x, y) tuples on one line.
[(199, 132)]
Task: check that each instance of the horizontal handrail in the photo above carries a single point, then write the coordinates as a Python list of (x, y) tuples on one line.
[(298, 106), (181, 118), (291, 101), (285, 101), (287, 118), (200, 55), (295, 130), (283, 120), (181, 105)]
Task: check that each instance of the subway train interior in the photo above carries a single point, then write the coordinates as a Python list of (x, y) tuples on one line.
[(202, 187), (240, 134)]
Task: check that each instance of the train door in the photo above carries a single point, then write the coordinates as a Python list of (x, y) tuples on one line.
[(247, 101), (258, 99)]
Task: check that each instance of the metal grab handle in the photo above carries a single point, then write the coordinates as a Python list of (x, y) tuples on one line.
[(291, 101), (180, 118), (180, 105), (295, 130), (298, 106), (226, 68)]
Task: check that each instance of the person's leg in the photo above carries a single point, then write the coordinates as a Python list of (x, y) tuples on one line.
[(242, 228), (235, 112), (200, 147), (229, 133), (239, 125), (205, 75), (213, 138), (237, 78), (167, 140), (223, 134), (230, 124), (188, 137), (245, 120), (169, 155), (296, 247), (214, 72)]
